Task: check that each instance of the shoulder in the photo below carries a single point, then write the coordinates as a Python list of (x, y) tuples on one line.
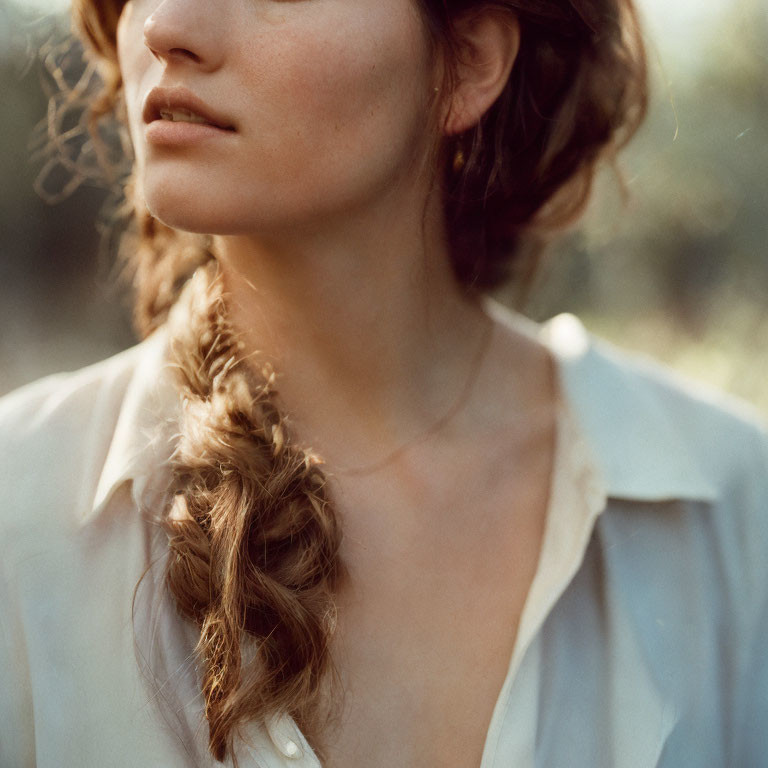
[(55, 434), (637, 410), (655, 433), (685, 463), (62, 397)]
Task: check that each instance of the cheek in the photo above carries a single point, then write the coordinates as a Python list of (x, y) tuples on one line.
[(331, 106), (325, 94), (135, 61)]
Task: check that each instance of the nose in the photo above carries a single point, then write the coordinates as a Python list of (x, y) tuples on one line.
[(181, 32)]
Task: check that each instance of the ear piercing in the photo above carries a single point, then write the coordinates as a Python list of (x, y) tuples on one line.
[(459, 161)]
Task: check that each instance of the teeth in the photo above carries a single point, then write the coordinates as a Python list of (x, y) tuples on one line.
[(181, 116)]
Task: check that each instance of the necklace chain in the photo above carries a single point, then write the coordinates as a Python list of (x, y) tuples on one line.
[(455, 407)]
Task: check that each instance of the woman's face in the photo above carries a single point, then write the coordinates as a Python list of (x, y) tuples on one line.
[(321, 107)]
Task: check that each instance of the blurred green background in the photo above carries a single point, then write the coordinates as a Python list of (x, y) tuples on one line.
[(681, 272)]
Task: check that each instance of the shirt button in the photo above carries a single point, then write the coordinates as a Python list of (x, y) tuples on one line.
[(282, 733), (291, 749)]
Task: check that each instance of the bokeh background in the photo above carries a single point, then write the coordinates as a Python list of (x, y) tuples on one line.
[(680, 272)]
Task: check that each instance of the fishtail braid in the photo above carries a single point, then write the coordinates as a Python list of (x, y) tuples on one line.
[(253, 539)]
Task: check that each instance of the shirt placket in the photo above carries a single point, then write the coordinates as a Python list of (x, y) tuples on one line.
[(577, 499)]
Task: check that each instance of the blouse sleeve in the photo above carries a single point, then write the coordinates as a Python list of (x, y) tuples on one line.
[(750, 710), (21, 471), (17, 738)]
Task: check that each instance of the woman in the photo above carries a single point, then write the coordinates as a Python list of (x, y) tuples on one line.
[(505, 546)]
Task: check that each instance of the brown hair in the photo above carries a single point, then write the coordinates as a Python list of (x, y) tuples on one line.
[(576, 95), (253, 540)]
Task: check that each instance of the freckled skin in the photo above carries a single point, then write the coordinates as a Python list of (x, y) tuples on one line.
[(329, 99), (335, 260)]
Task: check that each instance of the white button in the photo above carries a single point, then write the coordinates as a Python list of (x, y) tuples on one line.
[(291, 749), (283, 734)]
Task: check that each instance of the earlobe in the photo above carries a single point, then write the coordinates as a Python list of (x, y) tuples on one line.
[(488, 44)]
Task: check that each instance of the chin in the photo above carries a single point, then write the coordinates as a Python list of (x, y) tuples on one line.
[(192, 201), (190, 208), (186, 219)]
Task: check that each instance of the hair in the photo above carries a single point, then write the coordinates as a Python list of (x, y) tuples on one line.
[(253, 540)]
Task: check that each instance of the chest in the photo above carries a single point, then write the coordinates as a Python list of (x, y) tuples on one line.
[(427, 624)]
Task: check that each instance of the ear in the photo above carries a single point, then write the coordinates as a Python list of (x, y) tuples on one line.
[(488, 42)]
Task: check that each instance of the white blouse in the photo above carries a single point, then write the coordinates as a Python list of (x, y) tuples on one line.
[(643, 638)]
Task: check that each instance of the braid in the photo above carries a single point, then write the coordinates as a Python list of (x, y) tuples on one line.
[(253, 540)]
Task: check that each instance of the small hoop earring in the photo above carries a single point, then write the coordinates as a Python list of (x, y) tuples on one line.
[(459, 161)]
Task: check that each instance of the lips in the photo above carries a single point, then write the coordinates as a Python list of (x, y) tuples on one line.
[(177, 102)]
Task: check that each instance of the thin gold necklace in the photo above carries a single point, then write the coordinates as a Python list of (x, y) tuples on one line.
[(455, 407)]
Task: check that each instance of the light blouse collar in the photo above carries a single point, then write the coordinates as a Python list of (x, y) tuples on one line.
[(623, 405), (147, 424), (637, 452)]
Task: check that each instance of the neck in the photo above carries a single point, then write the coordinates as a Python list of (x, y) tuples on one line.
[(372, 337)]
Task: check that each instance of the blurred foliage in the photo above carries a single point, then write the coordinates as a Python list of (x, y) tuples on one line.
[(59, 303), (681, 272)]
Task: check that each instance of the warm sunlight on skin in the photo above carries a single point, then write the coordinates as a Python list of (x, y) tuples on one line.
[(327, 100), (316, 193), (306, 163), (345, 510)]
